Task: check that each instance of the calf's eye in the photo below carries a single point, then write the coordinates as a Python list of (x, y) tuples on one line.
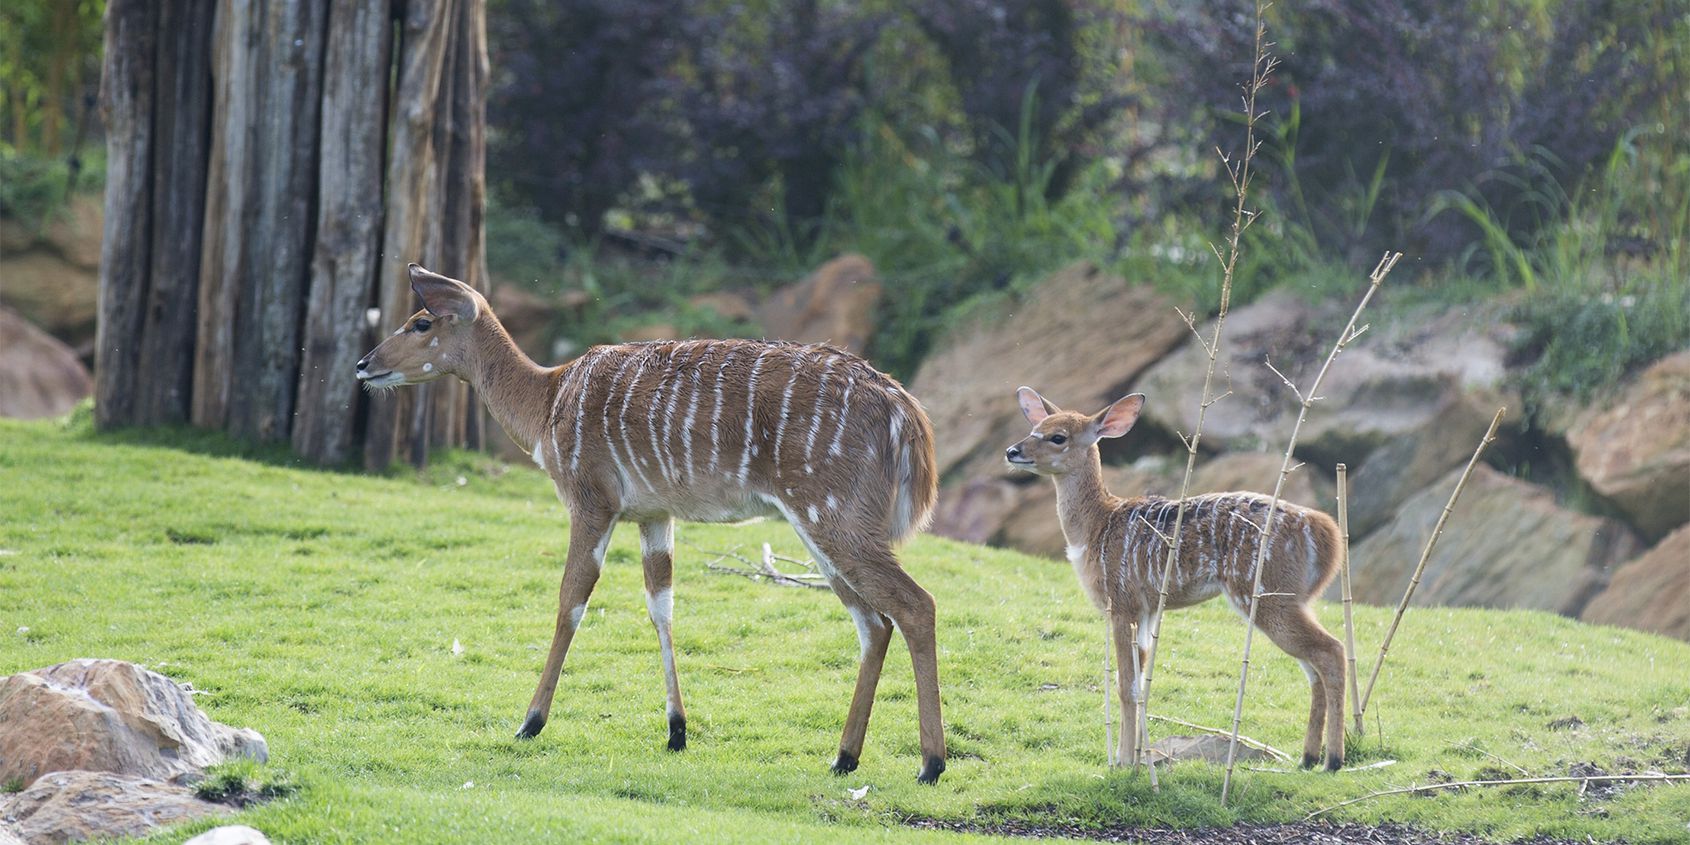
[(1058, 439), (422, 325)]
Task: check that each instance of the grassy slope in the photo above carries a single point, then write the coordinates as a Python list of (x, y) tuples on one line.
[(321, 609)]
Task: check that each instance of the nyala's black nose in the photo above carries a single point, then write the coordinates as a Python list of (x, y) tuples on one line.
[(363, 363), (1013, 452)]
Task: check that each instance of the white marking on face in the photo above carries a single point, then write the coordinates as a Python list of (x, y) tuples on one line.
[(399, 331), (750, 416), (844, 411), (433, 343)]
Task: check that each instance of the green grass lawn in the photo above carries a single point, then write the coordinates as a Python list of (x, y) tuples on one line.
[(321, 608)]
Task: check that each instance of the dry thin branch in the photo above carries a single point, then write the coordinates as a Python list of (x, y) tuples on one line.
[(1426, 554), (1434, 787), (1344, 583), (1262, 65), (1377, 278), (763, 570)]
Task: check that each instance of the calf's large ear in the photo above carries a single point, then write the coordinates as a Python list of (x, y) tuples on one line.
[(442, 296), (1033, 406), (1118, 418)]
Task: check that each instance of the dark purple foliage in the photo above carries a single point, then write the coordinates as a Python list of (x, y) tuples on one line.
[(995, 51), (773, 98), (572, 105), (1422, 83)]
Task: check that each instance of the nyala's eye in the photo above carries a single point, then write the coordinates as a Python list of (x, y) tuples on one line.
[(422, 325), (1058, 439)]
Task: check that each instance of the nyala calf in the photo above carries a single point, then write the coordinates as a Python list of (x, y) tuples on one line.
[(1117, 549)]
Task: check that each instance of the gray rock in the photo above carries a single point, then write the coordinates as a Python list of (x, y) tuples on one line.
[(230, 834), (1506, 544), (75, 806), (110, 716)]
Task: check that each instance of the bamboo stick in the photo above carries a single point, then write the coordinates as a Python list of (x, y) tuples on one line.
[(1306, 400), (1344, 576), (1262, 67), (1426, 554)]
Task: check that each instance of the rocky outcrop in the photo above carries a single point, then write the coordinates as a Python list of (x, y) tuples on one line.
[(1081, 338), (109, 716), (1392, 382), (1407, 464), (1507, 544), (836, 304), (75, 806), (51, 275), (39, 375), (1651, 593), (1635, 448)]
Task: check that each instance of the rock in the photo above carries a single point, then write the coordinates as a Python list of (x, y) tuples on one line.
[(7, 837), (39, 375), (1257, 472), (1208, 748), (727, 304), (1409, 463), (74, 806), (1651, 593), (1635, 449), (72, 233), (110, 716), (230, 834), (972, 511), (836, 304), (52, 293), (1081, 338), (1390, 382), (1507, 544)]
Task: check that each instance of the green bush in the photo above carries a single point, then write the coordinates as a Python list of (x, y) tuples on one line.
[(33, 188)]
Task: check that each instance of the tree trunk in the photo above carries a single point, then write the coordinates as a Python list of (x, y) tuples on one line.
[(410, 175), (127, 100), (349, 226), (178, 171), (274, 164)]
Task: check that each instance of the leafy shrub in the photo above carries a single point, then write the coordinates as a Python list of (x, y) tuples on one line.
[(1379, 107), (33, 188)]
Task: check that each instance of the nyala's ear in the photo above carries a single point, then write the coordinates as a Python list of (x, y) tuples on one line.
[(443, 296), (1033, 406), (1118, 419)]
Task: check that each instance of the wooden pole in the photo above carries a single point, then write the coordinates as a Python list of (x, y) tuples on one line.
[(1344, 576), (1426, 554)]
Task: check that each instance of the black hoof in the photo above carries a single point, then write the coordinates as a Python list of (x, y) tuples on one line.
[(931, 769), (532, 725), (845, 764), (1309, 760), (1333, 764), (677, 732)]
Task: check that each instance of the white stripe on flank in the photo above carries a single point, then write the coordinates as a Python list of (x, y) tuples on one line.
[(677, 378), (570, 376), (581, 406), (716, 411), (686, 426), (622, 421), (816, 413), (604, 422), (844, 410), (785, 404), (750, 416), (664, 381)]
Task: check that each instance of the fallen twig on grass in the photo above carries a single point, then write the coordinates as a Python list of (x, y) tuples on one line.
[(1433, 787), (1426, 554), (764, 569)]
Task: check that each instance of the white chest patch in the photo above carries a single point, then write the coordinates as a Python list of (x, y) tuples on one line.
[(539, 454)]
